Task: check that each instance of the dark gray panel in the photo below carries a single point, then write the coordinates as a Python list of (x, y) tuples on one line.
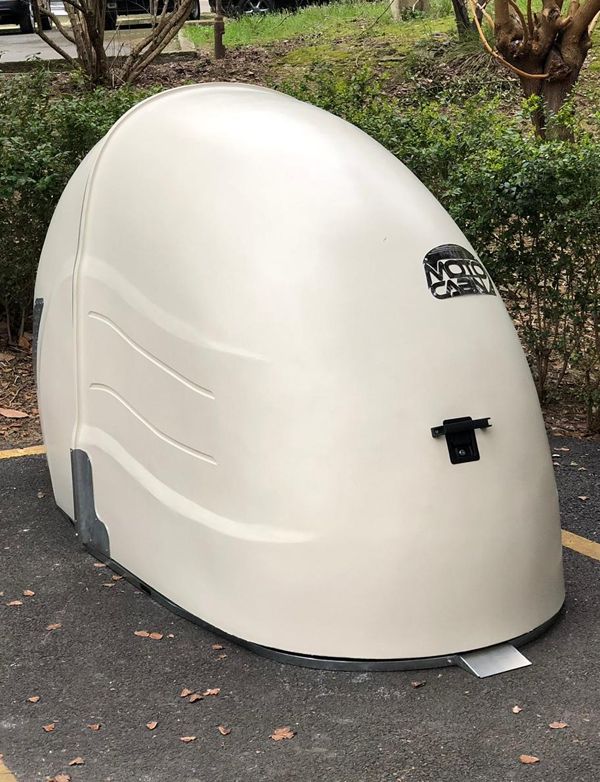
[(38, 307), (92, 531)]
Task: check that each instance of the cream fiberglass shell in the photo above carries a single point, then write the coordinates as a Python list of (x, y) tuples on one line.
[(238, 331)]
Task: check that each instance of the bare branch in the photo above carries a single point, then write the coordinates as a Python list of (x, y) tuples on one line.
[(59, 25), (501, 13), (530, 18), (148, 49), (583, 18), (485, 15), (74, 5), (41, 33), (498, 56), (518, 12)]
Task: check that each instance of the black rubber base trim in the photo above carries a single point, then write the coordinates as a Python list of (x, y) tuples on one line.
[(91, 530), (309, 661)]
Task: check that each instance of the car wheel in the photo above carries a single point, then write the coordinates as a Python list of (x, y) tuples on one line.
[(27, 20), (253, 7), (195, 10), (110, 20)]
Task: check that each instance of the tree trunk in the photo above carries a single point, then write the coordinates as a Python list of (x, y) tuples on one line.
[(397, 7), (547, 50), (461, 15)]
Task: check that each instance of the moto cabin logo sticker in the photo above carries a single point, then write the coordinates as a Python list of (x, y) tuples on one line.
[(451, 271)]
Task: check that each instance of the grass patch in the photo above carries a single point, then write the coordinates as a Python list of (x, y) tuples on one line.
[(330, 22), (304, 56)]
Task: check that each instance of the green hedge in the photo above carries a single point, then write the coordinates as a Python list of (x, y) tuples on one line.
[(44, 136)]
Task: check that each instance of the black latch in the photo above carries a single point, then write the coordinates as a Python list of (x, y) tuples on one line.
[(460, 437)]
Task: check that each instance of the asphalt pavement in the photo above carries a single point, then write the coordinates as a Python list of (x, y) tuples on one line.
[(366, 727)]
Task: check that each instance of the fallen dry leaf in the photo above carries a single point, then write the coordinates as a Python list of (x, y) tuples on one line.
[(109, 584), (217, 647), (95, 726), (185, 692), (195, 696), (41, 495), (141, 633), (33, 699), (77, 761), (15, 603), (61, 778), (117, 578), (156, 636), (516, 709), (214, 691), (28, 593), (279, 734), (583, 498), (528, 760), (55, 626), (170, 635), (224, 731), (187, 739), (416, 685), (151, 725), (49, 728), (12, 413), (222, 657), (558, 725), (99, 564), (565, 450)]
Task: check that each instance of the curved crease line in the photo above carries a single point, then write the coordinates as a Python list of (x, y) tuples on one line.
[(183, 506), (152, 310), (160, 364), (175, 443)]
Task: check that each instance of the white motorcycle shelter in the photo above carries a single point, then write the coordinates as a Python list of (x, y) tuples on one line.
[(279, 390)]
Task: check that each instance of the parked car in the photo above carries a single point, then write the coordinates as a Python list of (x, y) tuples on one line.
[(115, 8), (236, 8), (21, 12)]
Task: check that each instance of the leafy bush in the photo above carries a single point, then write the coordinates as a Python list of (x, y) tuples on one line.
[(44, 137), (531, 209)]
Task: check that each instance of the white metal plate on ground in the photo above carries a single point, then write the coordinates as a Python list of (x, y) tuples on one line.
[(493, 660)]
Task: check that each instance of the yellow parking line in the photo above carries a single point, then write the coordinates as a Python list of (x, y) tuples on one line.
[(588, 548), (33, 450), (5, 774)]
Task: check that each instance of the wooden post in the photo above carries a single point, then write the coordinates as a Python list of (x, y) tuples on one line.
[(219, 27)]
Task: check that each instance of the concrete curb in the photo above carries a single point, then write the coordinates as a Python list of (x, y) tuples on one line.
[(63, 65)]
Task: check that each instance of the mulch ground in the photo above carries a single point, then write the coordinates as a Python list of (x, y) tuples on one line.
[(17, 393)]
